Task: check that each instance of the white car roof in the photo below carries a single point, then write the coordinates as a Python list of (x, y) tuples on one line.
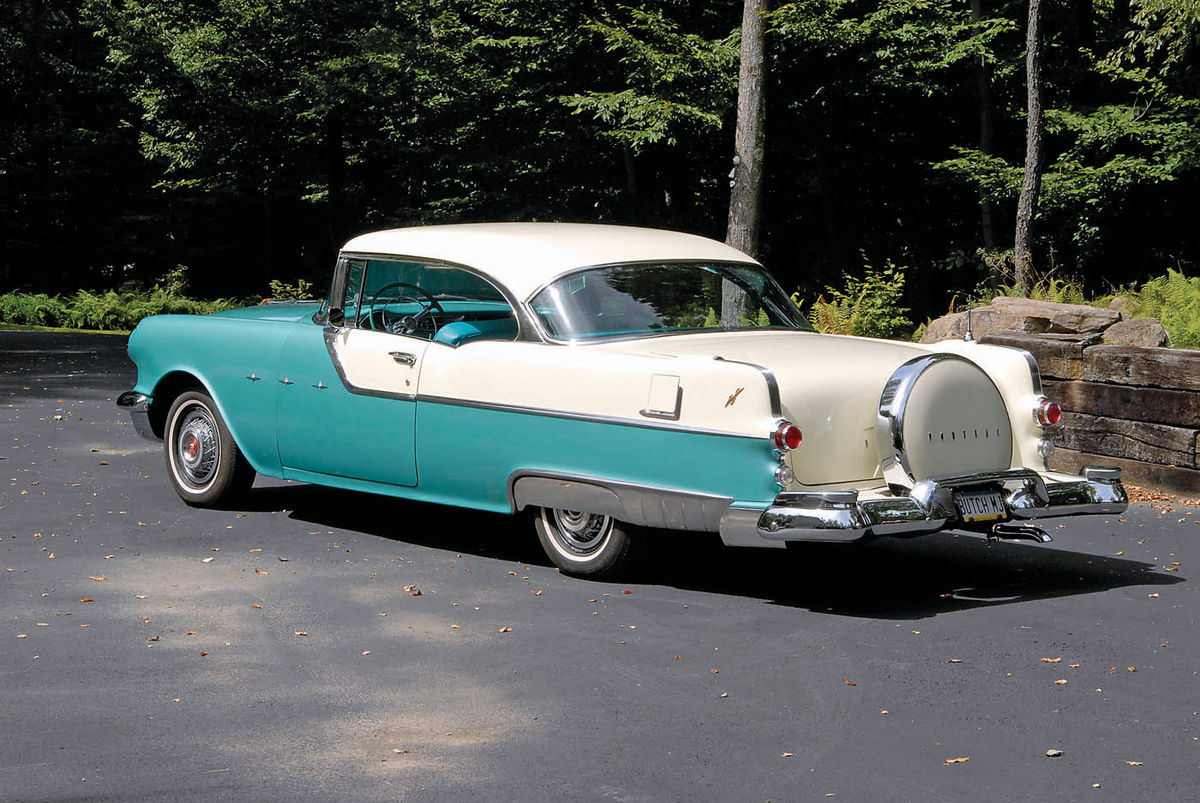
[(525, 256)]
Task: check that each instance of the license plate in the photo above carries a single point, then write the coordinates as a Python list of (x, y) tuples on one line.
[(980, 506)]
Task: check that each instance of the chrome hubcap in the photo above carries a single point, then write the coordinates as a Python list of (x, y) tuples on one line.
[(196, 446), (582, 534)]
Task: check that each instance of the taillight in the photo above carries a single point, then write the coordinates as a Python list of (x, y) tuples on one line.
[(1048, 413), (787, 436)]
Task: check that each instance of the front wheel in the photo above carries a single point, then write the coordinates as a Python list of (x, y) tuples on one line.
[(205, 465), (582, 544)]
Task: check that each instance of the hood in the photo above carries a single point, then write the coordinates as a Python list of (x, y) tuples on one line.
[(285, 311)]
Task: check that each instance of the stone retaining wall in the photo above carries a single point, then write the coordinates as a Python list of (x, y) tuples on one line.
[(1136, 408)]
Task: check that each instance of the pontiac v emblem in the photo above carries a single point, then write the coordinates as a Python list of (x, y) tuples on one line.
[(733, 397)]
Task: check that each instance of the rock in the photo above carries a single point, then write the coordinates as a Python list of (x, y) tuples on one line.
[(1137, 332), (1047, 316), (1121, 304), (947, 327), (1022, 315)]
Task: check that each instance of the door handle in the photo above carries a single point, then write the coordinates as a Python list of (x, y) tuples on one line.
[(403, 357)]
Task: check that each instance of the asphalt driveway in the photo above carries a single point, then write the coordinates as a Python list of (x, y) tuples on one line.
[(326, 645)]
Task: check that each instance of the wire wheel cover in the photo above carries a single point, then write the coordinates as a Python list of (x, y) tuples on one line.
[(197, 446)]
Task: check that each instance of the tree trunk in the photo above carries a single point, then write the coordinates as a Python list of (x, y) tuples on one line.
[(746, 190), (983, 86), (1034, 129)]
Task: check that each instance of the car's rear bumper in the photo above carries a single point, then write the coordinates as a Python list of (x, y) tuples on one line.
[(849, 515), (138, 405)]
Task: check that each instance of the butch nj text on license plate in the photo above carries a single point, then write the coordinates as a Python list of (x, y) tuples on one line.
[(980, 506)]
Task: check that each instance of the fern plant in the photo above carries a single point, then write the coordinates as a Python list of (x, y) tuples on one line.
[(1175, 300), (869, 306)]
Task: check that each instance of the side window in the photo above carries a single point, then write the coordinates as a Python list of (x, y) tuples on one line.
[(354, 276), (427, 300)]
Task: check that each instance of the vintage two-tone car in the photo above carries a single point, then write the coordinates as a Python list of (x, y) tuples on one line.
[(586, 374)]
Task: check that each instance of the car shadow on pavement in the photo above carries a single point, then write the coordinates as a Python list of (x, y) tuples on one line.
[(884, 579), (912, 578)]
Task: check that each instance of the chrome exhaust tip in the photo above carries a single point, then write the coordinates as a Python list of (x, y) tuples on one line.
[(1019, 532)]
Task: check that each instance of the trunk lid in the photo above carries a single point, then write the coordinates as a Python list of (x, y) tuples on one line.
[(828, 385)]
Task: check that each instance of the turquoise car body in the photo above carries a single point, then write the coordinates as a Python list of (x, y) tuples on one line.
[(427, 450)]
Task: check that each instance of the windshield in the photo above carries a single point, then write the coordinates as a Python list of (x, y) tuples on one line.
[(662, 298)]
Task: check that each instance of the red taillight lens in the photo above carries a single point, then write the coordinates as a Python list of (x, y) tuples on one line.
[(787, 436), (1048, 413)]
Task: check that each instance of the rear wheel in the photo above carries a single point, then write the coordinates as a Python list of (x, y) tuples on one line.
[(204, 464), (582, 544)]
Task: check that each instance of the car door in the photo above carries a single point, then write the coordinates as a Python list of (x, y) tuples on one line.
[(346, 406), (346, 399)]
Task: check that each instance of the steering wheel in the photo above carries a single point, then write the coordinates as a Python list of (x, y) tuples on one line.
[(405, 324)]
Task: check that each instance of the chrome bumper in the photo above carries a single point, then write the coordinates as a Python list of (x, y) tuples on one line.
[(138, 405), (834, 516)]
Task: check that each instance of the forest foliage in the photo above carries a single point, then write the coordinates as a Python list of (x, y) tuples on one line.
[(248, 139)]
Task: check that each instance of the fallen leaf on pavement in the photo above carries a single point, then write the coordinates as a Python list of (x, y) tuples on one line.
[(301, 632), (1053, 753), (786, 755), (1134, 763), (960, 760), (505, 629), (849, 682), (98, 579), (1052, 660), (1060, 682)]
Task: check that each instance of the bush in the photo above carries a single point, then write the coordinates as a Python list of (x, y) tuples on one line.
[(1175, 300), (302, 290), (1052, 288), (30, 309), (109, 311), (867, 307)]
